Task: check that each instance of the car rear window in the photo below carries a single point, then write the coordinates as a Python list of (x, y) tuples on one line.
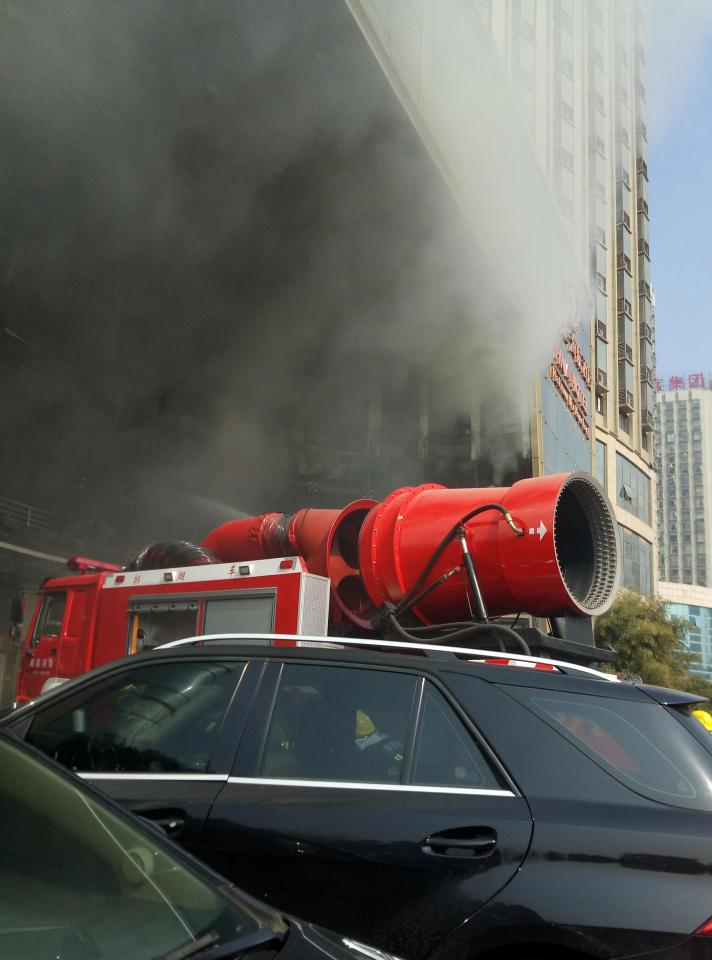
[(640, 744)]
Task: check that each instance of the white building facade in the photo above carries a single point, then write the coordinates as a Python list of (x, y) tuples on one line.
[(684, 454)]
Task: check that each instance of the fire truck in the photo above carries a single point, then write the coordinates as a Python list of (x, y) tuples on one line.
[(520, 568)]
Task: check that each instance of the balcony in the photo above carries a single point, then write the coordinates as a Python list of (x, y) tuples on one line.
[(644, 289), (601, 381), (646, 332), (625, 400), (646, 376), (601, 330), (647, 357), (643, 206), (641, 167), (623, 219), (625, 351), (623, 262), (647, 421), (624, 307), (644, 248)]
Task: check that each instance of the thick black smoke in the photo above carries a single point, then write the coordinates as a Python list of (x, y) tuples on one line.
[(235, 266)]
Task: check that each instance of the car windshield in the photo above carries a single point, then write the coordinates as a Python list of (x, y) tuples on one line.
[(81, 882)]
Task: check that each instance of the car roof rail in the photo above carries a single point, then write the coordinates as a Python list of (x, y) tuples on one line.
[(468, 654)]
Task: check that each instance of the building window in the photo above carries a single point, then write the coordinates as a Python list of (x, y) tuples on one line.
[(637, 562), (601, 452), (632, 489)]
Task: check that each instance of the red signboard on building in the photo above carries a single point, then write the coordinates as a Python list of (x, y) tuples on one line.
[(564, 374)]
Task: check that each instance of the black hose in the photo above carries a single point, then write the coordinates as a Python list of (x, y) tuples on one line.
[(444, 543), (439, 627), (171, 553), (431, 586), (493, 629)]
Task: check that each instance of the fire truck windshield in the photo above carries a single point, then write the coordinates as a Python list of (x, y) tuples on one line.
[(51, 617)]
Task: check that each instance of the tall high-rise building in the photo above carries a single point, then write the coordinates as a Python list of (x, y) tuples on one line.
[(578, 71), (683, 450), (684, 455), (555, 89)]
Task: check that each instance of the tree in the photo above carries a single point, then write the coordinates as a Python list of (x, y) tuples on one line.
[(649, 642)]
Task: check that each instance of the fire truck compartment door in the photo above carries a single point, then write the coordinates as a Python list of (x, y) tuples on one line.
[(248, 612), (155, 622)]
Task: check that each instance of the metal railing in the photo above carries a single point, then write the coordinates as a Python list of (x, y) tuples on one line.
[(17, 514)]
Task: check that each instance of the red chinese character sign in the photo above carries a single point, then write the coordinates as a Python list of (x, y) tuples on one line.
[(563, 373), (690, 381)]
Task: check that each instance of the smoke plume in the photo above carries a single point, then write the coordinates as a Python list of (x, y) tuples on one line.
[(231, 255)]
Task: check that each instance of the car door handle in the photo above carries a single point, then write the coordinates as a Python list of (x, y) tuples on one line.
[(461, 842), (170, 823)]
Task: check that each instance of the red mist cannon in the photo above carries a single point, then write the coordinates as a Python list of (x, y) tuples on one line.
[(443, 558)]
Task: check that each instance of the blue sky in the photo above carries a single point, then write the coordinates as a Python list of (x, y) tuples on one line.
[(680, 169)]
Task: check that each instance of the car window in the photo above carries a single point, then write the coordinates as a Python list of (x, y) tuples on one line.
[(158, 718), (338, 723), (640, 744), (80, 880), (445, 753)]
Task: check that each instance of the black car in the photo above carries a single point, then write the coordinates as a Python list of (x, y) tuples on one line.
[(429, 804), (83, 880)]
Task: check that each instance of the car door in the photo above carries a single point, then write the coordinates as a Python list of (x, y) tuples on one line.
[(158, 737), (43, 653), (363, 799)]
